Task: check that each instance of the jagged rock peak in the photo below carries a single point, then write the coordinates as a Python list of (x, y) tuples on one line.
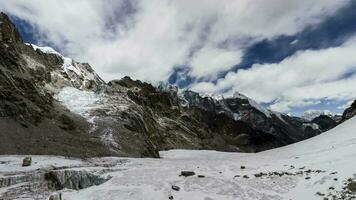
[(80, 75), (8, 31), (349, 112)]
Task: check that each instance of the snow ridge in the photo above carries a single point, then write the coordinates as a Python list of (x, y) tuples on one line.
[(253, 103)]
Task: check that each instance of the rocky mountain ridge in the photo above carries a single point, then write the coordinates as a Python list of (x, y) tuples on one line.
[(50, 104), (349, 112)]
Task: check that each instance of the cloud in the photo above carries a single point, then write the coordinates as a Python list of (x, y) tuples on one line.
[(148, 39), (300, 80), (209, 61)]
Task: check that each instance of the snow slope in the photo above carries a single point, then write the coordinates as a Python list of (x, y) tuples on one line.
[(299, 171), (316, 168)]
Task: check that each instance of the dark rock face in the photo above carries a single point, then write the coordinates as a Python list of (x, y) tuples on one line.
[(267, 129), (8, 32), (133, 118), (324, 122), (349, 112)]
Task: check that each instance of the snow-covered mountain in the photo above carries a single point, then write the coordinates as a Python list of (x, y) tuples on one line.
[(63, 104), (53, 105)]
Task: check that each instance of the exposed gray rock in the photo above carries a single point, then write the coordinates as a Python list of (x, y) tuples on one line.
[(187, 173), (56, 196), (176, 188), (349, 112), (27, 161)]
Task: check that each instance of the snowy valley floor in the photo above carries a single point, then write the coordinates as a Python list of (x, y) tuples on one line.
[(318, 168)]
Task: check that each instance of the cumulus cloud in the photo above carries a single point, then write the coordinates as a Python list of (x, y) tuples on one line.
[(300, 80), (209, 61), (147, 39)]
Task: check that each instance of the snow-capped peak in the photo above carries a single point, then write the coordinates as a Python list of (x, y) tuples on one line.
[(311, 114), (238, 95), (253, 103), (81, 74), (48, 50), (67, 62), (216, 97)]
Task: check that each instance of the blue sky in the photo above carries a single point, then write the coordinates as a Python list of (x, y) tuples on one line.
[(290, 56)]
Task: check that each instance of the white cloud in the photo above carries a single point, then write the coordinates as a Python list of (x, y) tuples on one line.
[(163, 34), (346, 105), (300, 80), (209, 61)]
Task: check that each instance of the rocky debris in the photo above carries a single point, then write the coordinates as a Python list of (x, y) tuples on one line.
[(285, 173), (347, 192), (260, 174), (176, 188), (27, 161), (187, 173), (56, 196)]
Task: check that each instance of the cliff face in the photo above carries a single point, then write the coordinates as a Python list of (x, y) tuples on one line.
[(349, 112), (50, 104)]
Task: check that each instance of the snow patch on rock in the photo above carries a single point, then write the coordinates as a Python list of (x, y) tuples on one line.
[(67, 62)]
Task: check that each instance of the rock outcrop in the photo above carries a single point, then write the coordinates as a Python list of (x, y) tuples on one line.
[(349, 112)]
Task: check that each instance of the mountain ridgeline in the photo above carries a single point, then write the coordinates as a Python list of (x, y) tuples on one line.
[(50, 104)]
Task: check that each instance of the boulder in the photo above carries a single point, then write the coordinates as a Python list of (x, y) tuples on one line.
[(27, 161), (56, 196), (187, 173), (176, 188)]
